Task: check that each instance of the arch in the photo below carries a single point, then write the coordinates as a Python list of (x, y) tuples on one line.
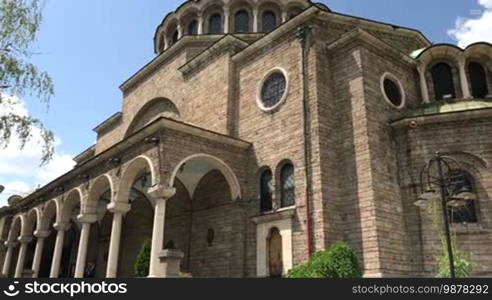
[(213, 13), (151, 111), (137, 167), (478, 79), (52, 209), (270, 16), (99, 187), (443, 81), (73, 199), (33, 221), (242, 21), (213, 162), (17, 227)]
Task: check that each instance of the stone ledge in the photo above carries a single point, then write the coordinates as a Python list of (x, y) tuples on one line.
[(275, 216)]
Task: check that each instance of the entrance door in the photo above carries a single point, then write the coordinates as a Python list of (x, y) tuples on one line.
[(275, 253)]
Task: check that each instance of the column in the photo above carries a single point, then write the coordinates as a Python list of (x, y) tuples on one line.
[(200, 24), (57, 252), (284, 16), (465, 88), (180, 31), (160, 196), (38, 253), (256, 26), (86, 221), (226, 20), (24, 241), (423, 84), (166, 41), (118, 210), (8, 258)]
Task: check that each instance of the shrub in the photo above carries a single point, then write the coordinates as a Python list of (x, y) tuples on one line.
[(142, 264), (462, 265), (339, 261)]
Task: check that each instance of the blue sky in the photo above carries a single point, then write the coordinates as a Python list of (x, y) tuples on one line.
[(90, 47)]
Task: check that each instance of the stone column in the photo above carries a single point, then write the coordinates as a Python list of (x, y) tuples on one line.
[(256, 26), (465, 88), (8, 258), (86, 221), (24, 241), (166, 42), (284, 16), (423, 84), (118, 210), (226, 20), (159, 195), (180, 31), (38, 253), (61, 228), (200, 25)]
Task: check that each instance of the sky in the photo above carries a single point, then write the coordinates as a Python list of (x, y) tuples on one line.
[(90, 47)]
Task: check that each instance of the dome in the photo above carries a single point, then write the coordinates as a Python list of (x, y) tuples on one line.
[(218, 17)]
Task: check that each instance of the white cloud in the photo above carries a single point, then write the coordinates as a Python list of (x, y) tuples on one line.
[(471, 30), (20, 172)]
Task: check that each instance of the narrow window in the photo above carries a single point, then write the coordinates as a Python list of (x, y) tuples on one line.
[(241, 21), (269, 21), (442, 76), (478, 80), (287, 195), (174, 38), (266, 191), (215, 24), (193, 27)]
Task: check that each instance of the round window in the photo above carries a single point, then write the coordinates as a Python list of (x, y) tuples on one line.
[(393, 91), (273, 90)]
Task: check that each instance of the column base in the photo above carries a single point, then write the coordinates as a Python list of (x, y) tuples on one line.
[(169, 264)]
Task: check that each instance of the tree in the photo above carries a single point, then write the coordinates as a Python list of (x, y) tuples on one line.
[(19, 25)]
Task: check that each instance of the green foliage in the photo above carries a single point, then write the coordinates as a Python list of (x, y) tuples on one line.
[(339, 261), (19, 25), (142, 264), (462, 265)]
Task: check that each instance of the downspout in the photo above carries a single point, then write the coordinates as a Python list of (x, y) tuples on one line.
[(303, 36)]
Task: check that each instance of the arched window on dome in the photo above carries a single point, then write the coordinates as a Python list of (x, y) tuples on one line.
[(268, 21), (193, 27), (241, 22), (442, 77), (478, 80), (266, 191), (288, 186), (175, 37), (215, 24)]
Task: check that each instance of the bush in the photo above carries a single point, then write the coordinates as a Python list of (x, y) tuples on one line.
[(339, 261), (142, 264), (462, 265)]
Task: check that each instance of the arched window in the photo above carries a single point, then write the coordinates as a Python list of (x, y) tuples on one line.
[(478, 80), (193, 27), (268, 21), (288, 186), (275, 259), (174, 38), (442, 77), (266, 191), (462, 182), (215, 24), (241, 21)]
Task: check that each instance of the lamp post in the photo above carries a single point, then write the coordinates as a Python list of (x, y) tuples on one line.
[(444, 173)]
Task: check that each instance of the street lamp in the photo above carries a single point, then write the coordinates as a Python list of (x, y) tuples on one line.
[(445, 174)]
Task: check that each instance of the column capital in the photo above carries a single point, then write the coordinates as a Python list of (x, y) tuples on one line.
[(161, 192), (60, 226), (119, 207), (42, 234), (11, 244), (87, 218), (24, 239)]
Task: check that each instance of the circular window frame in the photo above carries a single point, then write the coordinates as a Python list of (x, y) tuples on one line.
[(395, 79), (259, 100)]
